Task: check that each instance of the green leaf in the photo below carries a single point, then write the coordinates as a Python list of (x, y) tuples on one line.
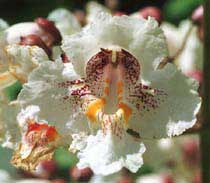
[(177, 10), (13, 91), (145, 169), (65, 159)]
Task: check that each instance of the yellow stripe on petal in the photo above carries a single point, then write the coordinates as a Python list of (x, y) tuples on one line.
[(6, 79), (119, 88), (93, 108), (127, 111)]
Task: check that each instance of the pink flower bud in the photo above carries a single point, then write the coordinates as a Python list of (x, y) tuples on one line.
[(49, 27), (119, 13), (83, 175), (197, 178), (125, 180), (191, 154), (64, 58), (197, 15), (33, 40), (46, 169), (197, 75), (58, 181), (80, 16), (197, 18), (151, 11), (168, 179)]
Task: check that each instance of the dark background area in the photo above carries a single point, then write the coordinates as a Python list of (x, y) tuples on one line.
[(15, 11)]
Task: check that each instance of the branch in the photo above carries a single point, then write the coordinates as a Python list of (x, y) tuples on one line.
[(205, 117)]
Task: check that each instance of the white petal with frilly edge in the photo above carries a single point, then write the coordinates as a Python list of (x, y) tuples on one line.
[(49, 87), (65, 21), (143, 38), (9, 131), (107, 153), (175, 111), (23, 59)]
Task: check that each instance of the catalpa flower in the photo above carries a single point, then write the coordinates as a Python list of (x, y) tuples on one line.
[(19, 62), (21, 44), (9, 130), (191, 57), (39, 140), (65, 21), (111, 96)]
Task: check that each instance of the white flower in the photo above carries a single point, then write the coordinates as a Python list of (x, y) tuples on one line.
[(156, 178), (9, 131), (3, 25), (113, 92), (93, 8), (64, 21), (5, 177), (23, 59), (17, 61), (32, 181), (191, 57), (105, 179), (38, 142), (13, 34)]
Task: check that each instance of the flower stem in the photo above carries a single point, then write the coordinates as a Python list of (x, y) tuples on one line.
[(205, 133)]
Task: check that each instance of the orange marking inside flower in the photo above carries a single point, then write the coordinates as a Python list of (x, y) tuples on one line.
[(126, 109), (93, 108), (106, 90), (44, 132), (119, 87), (6, 78), (107, 81), (119, 98)]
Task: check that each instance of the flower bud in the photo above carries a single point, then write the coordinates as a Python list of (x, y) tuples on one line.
[(151, 11), (58, 181), (119, 13), (125, 180), (46, 169), (197, 18), (168, 179), (197, 15), (33, 40), (49, 27), (191, 153), (82, 175), (197, 75), (80, 16), (197, 178), (112, 4), (64, 58)]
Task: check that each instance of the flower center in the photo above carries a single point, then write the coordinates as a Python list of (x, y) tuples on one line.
[(109, 74)]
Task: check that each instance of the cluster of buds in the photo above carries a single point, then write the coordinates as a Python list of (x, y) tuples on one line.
[(198, 19), (45, 39)]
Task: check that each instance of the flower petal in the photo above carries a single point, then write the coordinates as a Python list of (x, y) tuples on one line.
[(93, 8), (142, 38), (6, 79), (175, 111), (9, 131), (107, 153), (3, 25), (23, 59), (14, 33), (50, 87), (38, 142), (64, 21)]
